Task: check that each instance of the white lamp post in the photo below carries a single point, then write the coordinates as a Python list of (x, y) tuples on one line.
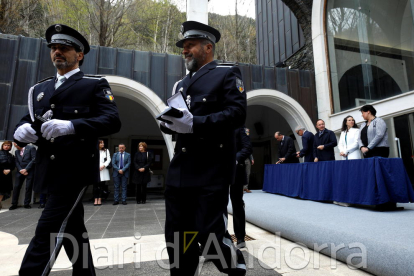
[(197, 10)]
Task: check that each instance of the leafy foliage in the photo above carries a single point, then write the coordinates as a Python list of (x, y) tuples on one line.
[(144, 25)]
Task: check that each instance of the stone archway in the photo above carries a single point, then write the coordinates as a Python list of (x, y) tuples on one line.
[(141, 94), (286, 106)]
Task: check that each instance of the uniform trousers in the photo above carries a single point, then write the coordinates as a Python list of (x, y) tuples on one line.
[(248, 166), (75, 241), (199, 213), (42, 198), (18, 185), (239, 216)]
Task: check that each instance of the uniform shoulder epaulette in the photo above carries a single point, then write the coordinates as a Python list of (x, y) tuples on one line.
[(227, 64), (93, 76), (46, 79)]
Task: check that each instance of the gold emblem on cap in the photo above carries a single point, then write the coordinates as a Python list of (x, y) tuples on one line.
[(58, 28)]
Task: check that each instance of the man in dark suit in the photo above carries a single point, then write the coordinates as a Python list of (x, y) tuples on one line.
[(67, 114), (244, 150), (324, 143), (121, 161), (307, 144), (25, 163), (203, 167), (286, 149)]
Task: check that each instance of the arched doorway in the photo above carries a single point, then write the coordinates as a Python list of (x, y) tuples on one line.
[(138, 106), (142, 95), (286, 106), (269, 111)]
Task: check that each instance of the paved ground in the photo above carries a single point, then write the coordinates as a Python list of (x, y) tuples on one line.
[(129, 240)]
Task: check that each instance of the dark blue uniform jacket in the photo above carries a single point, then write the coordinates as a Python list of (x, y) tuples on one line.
[(72, 161), (218, 103), (244, 150)]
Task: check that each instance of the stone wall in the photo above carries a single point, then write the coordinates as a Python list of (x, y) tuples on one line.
[(302, 59)]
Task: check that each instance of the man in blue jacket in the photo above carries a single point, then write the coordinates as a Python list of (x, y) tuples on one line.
[(121, 161), (324, 143), (307, 144)]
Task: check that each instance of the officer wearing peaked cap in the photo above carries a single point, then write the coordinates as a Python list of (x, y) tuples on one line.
[(67, 114), (203, 167), (194, 29)]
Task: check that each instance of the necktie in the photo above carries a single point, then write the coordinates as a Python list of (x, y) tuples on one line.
[(320, 133), (121, 164), (59, 82), (21, 152)]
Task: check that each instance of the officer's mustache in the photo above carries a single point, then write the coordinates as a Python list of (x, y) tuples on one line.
[(58, 56), (189, 55)]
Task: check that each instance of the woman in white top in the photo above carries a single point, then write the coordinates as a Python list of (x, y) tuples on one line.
[(348, 142), (104, 161)]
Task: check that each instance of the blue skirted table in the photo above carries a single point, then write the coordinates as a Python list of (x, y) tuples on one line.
[(370, 181)]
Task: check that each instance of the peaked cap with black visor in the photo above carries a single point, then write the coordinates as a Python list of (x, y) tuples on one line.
[(194, 30), (65, 35)]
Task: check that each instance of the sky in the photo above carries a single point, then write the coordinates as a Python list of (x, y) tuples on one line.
[(225, 7)]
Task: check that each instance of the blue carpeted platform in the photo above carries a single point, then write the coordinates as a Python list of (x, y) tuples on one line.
[(387, 236)]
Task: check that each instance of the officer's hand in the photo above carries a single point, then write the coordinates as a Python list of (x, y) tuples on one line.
[(25, 134), (55, 128), (180, 125)]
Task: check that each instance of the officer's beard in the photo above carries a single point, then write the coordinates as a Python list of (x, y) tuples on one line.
[(65, 64), (191, 65), (195, 63)]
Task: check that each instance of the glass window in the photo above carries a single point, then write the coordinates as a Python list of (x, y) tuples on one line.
[(371, 50)]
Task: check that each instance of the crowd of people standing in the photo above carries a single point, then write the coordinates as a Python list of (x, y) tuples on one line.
[(24, 161), (368, 140)]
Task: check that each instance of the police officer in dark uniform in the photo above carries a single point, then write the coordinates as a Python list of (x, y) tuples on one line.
[(67, 114), (203, 166), (244, 150)]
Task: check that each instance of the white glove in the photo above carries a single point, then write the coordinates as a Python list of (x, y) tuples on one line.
[(55, 128), (25, 134), (180, 125)]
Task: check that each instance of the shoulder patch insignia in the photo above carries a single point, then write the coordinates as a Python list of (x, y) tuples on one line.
[(108, 94), (239, 85)]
